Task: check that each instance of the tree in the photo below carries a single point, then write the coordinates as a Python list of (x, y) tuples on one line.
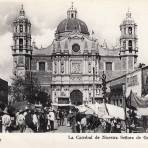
[(29, 89), (23, 89), (17, 89)]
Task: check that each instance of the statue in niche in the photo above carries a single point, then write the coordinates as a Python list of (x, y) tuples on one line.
[(55, 67), (62, 67), (89, 67)]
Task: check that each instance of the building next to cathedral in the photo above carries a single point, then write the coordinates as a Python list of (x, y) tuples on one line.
[(70, 69)]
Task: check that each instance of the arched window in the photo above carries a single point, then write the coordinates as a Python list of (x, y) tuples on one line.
[(41, 66), (124, 44), (20, 44), (130, 30), (130, 46)]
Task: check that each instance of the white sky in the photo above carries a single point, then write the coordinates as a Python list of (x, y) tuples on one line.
[(101, 16)]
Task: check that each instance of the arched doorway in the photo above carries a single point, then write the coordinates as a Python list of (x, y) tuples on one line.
[(76, 97)]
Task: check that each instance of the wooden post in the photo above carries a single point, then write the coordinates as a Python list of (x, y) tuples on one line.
[(93, 100)]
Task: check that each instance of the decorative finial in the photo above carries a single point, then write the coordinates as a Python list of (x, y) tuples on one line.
[(22, 7), (72, 4), (22, 12), (128, 14), (71, 13)]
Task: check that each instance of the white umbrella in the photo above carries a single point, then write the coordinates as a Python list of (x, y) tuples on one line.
[(89, 111), (108, 111), (142, 111), (81, 108), (116, 111), (107, 117)]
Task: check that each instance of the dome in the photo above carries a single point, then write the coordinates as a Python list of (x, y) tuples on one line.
[(72, 24), (21, 17), (128, 20)]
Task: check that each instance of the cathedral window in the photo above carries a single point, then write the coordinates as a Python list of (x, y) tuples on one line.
[(41, 66), (20, 44), (124, 44), (21, 28), (75, 47), (130, 46), (130, 30), (109, 66)]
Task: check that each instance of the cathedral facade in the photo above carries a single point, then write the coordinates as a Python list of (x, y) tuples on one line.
[(70, 69)]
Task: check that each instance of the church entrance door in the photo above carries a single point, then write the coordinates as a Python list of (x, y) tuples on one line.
[(76, 97)]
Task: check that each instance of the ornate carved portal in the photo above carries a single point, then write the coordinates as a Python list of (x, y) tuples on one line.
[(76, 97)]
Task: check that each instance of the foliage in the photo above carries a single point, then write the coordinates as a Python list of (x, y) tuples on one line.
[(28, 89), (18, 89), (23, 89)]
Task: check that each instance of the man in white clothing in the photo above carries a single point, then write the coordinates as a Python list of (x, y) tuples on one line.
[(6, 122), (51, 118)]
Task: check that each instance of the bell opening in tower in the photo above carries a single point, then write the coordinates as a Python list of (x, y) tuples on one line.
[(130, 46), (130, 30), (20, 43)]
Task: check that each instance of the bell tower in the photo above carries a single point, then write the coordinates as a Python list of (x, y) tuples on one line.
[(128, 43), (21, 49)]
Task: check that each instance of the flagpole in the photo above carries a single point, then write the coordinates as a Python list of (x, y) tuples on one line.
[(124, 99)]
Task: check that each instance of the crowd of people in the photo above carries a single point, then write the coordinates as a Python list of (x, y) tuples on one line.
[(28, 120), (81, 123), (45, 119)]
